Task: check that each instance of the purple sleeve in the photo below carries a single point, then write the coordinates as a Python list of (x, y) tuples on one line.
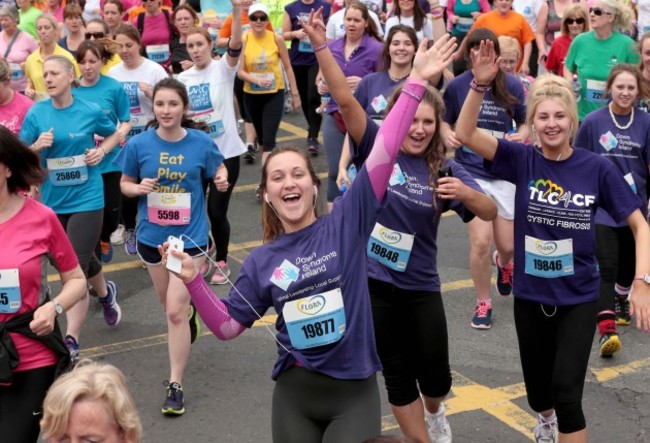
[(212, 310), (391, 135)]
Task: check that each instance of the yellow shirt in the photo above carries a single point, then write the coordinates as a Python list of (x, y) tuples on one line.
[(34, 69), (263, 61), (116, 60)]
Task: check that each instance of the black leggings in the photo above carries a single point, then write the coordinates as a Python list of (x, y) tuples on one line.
[(309, 97), (218, 209), (21, 404), (83, 231), (412, 342), (112, 204), (238, 88), (266, 112), (616, 261), (554, 348), (129, 211), (309, 407)]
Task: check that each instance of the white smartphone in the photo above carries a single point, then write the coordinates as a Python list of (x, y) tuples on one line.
[(174, 263)]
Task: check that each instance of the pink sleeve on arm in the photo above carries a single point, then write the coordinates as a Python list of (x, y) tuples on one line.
[(213, 311), (379, 163)]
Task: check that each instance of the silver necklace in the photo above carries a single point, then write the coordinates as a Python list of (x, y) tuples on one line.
[(611, 114)]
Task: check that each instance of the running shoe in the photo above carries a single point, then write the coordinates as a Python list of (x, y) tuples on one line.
[(174, 402), (195, 324), (107, 251), (545, 431), (130, 242), (504, 276), (437, 426), (249, 156), (221, 274), (313, 147), (609, 344), (73, 349), (482, 316), (117, 237), (622, 309), (110, 308), (206, 267)]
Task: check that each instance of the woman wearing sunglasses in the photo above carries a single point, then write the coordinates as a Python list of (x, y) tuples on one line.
[(574, 22), (593, 54)]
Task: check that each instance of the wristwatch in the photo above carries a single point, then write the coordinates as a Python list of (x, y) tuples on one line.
[(57, 307), (645, 278)]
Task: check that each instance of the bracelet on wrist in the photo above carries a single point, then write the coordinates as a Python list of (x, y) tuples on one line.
[(103, 150), (320, 47), (481, 89)]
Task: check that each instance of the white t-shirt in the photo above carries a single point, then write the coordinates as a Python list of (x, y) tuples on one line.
[(426, 31), (140, 105), (336, 28), (211, 101), (529, 9)]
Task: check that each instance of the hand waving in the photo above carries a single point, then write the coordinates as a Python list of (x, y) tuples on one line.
[(432, 61), (485, 63)]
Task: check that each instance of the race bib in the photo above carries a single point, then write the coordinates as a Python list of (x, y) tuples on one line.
[(216, 129), (549, 258), (316, 320), (464, 24), (305, 46), (594, 93), (10, 298), (67, 171), (16, 71), (390, 248), (158, 53), (264, 76), (137, 126), (169, 208)]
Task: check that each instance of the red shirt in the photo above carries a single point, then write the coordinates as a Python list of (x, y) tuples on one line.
[(557, 54)]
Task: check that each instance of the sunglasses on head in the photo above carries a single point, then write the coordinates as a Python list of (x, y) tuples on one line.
[(579, 21), (90, 35), (258, 18), (599, 11)]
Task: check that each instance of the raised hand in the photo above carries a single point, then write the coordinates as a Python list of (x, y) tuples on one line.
[(485, 63), (432, 61), (314, 27)]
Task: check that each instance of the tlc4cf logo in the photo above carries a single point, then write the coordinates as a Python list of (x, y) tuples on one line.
[(545, 191)]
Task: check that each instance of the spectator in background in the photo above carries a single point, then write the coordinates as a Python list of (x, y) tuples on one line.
[(574, 22), (13, 106), (15, 46), (28, 15), (74, 26), (461, 15)]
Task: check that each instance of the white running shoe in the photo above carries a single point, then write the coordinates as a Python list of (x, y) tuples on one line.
[(117, 237), (437, 426), (545, 431)]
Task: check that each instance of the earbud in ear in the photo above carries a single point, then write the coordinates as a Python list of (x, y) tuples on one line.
[(266, 198)]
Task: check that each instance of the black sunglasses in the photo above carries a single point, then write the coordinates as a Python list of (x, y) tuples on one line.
[(90, 35), (599, 11), (579, 20), (258, 18)]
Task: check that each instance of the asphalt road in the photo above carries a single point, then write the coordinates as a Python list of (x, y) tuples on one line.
[(228, 386)]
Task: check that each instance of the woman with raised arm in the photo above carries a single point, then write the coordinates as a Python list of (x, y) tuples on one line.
[(403, 279), (556, 278), (326, 387)]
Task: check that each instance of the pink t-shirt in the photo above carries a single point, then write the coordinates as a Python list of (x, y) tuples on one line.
[(13, 113), (20, 50), (156, 38), (28, 238)]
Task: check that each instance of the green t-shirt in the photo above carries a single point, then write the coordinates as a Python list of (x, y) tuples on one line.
[(28, 19), (592, 59)]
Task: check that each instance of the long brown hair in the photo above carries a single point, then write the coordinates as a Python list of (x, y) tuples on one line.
[(271, 223), (435, 153), (419, 15), (24, 164)]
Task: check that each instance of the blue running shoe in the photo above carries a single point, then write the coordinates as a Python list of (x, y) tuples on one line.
[(73, 348), (112, 311), (130, 242), (482, 316), (174, 402), (107, 251)]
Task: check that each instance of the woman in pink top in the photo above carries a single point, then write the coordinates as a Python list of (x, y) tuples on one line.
[(15, 46), (156, 32), (30, 234), (13, 106)]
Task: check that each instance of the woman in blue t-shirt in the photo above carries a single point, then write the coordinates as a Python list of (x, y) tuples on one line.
[(556, 282), (502, 114), (165, 168), (62, 131), (312, 271), (621, 135)]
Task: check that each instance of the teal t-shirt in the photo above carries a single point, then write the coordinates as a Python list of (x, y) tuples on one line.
[(592, 59), (71, 186), (109, 95)]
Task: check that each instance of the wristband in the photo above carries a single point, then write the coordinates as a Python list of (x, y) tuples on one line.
[(481, 89), (234, 53), (320, 47)]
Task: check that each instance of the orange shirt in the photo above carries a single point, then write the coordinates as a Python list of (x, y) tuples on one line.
[(226, 28), (513, 25)]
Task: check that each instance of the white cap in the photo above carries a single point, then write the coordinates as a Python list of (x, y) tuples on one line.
[(257, 7)]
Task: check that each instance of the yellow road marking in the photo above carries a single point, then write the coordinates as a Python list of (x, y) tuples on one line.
[(606, 374)]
